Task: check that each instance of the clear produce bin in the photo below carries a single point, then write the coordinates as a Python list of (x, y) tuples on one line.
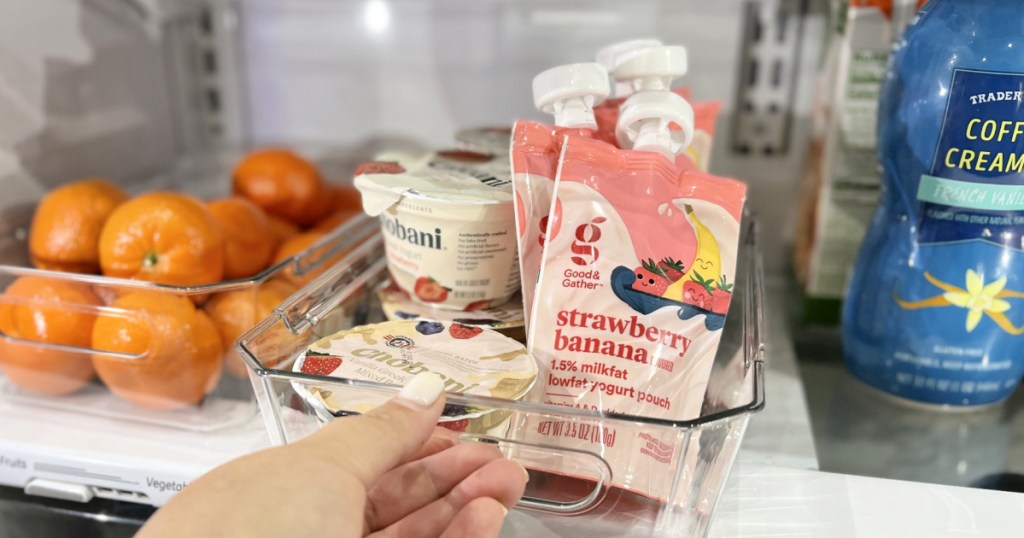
[(60, 367), (701, 451)]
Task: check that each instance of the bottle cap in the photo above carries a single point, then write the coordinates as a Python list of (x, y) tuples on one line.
[(606, 57), (569, 92), (646, 119), (650, 68)]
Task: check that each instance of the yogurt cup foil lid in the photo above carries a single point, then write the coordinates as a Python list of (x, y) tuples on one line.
[(470, 360), (457, 176)]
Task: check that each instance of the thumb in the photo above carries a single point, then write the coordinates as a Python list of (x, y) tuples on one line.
[(369, 445)]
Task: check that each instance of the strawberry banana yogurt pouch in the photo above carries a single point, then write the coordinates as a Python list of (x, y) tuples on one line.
[(449, 227), (569, 92), (633, 293)]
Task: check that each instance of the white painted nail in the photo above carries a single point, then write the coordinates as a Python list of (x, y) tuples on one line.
[(423, 390)]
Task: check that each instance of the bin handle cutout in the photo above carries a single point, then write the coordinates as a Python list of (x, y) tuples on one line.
[(601, 479)]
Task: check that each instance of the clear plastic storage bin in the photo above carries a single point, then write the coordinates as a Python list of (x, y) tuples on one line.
[(579, 501), (64, 368)]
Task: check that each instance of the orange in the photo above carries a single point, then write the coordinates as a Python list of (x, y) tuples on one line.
[(297, 245), (332, 221), (283, 184), (345, 197), (248, 238), (178, 347), (282, 229), (163, 237), (235, 312), (65, 231), (53, 311), (320, 207)]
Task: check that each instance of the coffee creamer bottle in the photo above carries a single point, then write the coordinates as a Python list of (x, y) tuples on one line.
[(935, 309)]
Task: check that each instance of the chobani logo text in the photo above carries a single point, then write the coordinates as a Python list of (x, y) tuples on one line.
[(412, 235), (410, 367)]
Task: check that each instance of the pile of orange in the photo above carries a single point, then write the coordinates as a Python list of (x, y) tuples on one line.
[(160, 349)]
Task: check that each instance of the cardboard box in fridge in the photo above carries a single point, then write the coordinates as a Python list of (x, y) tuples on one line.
[(841, 180)]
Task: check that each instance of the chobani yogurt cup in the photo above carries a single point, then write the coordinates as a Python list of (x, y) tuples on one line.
[(496, 140), (449, 227), (506, 318), (469, 359)]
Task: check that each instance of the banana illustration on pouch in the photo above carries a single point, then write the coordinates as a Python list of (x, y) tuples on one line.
[(707, 262)]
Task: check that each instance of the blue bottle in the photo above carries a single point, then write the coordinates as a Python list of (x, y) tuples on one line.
[(935, 308)]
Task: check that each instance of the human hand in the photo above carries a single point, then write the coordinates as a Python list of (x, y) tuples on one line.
[(390, 472)]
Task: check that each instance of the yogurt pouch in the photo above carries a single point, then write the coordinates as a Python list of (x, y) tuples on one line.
[(634, 288), (449, 226), (705, 114), (536, 149), (569, 93)]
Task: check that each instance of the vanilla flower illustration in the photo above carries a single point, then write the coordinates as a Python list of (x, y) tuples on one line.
[(978, 298)]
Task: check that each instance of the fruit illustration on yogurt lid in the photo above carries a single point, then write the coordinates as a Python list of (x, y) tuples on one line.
[(469, 359), (398, 305)]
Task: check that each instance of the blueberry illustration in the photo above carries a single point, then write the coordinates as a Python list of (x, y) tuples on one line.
[(405, 315), (429, 327)]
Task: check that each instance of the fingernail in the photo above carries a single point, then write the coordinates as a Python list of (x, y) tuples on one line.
[(525, 472), (504, 511), (423, 390)]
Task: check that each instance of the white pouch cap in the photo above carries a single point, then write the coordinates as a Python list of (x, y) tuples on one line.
[(606, 57), (650, 68), (569, 92), (644, 121)]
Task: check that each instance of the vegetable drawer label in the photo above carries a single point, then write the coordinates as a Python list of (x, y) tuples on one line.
[(975, 191)]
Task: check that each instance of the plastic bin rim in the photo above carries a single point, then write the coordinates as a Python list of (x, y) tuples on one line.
[(353, 228), (756, 404)]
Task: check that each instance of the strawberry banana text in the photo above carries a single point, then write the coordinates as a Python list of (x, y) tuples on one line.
[(630, 326)]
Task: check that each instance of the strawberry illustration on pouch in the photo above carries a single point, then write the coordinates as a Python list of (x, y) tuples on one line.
[(721, 296), (463, 332), (320, 364), (697, 291), (672, 269), (429, 290), (650, 279)]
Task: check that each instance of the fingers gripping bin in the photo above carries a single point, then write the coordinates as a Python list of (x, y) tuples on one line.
[(137, 351), (694, 456)]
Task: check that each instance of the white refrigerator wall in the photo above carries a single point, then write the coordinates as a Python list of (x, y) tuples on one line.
[(353, 72), (122, 88)]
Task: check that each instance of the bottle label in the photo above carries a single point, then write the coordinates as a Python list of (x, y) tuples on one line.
[(962, 303), (976, 187)]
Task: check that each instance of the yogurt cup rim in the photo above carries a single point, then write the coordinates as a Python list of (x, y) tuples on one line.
[(326, 413), (300, 359), (436, 199)]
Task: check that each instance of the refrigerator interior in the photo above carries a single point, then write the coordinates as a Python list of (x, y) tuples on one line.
[(129, 89)]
